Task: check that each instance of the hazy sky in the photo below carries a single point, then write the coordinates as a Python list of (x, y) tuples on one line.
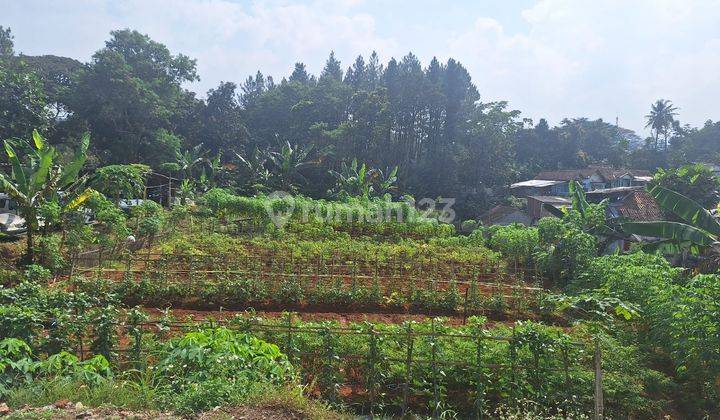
[(548, 58)]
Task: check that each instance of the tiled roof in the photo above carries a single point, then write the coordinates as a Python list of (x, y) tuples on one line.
[(639, 206)]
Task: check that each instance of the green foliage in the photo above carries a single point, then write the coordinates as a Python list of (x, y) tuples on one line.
[(679, 321), (121, 181), (22, 98), (129, 93), (40, 179), (564, 250), (358, 180), (696, 182), (289, 163), (17, 366), (37, 273), (208, 368), (516, 241), (699, 232)]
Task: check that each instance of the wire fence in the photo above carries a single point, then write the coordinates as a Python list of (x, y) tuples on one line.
[(422, 369), (268, 275)]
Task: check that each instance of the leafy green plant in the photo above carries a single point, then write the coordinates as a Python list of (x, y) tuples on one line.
[(699, 231), (40, 179), (207, 368), (121, 181)]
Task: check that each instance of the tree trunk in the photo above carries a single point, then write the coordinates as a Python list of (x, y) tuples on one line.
[(30, 252)]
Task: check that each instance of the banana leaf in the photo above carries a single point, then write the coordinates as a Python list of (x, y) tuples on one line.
[(674, 231), (577, 194), (686, 209), (72, 170), (670, 247), (17, 170)]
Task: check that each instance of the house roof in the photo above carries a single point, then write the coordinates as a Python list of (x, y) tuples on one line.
[(616, 190), (538, 183), (566, 174), (639, 206), (551, 199), (497, 213), (581, 173)]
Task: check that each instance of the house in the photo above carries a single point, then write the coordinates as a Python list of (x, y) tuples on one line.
[(537, 206), (627, 204), (557, 183), (505, 215), (630, 203)]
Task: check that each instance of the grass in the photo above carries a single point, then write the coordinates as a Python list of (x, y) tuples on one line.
[(139, 397), (112, 393)]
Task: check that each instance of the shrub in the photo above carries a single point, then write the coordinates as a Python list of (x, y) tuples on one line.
[(516, 242), (208, 368)]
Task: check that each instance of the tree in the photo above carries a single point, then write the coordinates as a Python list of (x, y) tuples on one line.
[(698, 230), (255, 172), (358, 180), (223, 126), (41, 179), (6, 43), (23, 103), (299, 74), (661, 119), (120, 181), (129, 93), (332, 68)]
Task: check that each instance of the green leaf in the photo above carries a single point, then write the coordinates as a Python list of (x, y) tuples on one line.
[(17, 169), (40, 176), (678, 232), (72, 170), (39, 141), (686, 209)]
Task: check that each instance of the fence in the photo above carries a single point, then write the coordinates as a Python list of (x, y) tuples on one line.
[(272, 274), (426, 369)]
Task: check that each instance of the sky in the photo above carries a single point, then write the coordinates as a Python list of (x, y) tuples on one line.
[(550, 59)]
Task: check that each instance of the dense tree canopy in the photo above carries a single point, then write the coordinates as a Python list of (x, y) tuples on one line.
[(428, 120)]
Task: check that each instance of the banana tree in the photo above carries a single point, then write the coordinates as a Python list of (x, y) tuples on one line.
[(589, 217), (697, 231), (255, 168), (40, 179), (357, 180), (289, 162), (352, 179)]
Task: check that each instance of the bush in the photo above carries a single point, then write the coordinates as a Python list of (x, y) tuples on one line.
[(515, 241), (564, 252), (212, 367)]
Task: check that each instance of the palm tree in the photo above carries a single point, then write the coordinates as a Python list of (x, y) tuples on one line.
[(41, 179), (661, 119), (698, 232)]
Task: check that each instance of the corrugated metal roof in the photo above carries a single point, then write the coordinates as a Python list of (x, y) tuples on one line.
[(550, 199), (538, 183), (581, 173)]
